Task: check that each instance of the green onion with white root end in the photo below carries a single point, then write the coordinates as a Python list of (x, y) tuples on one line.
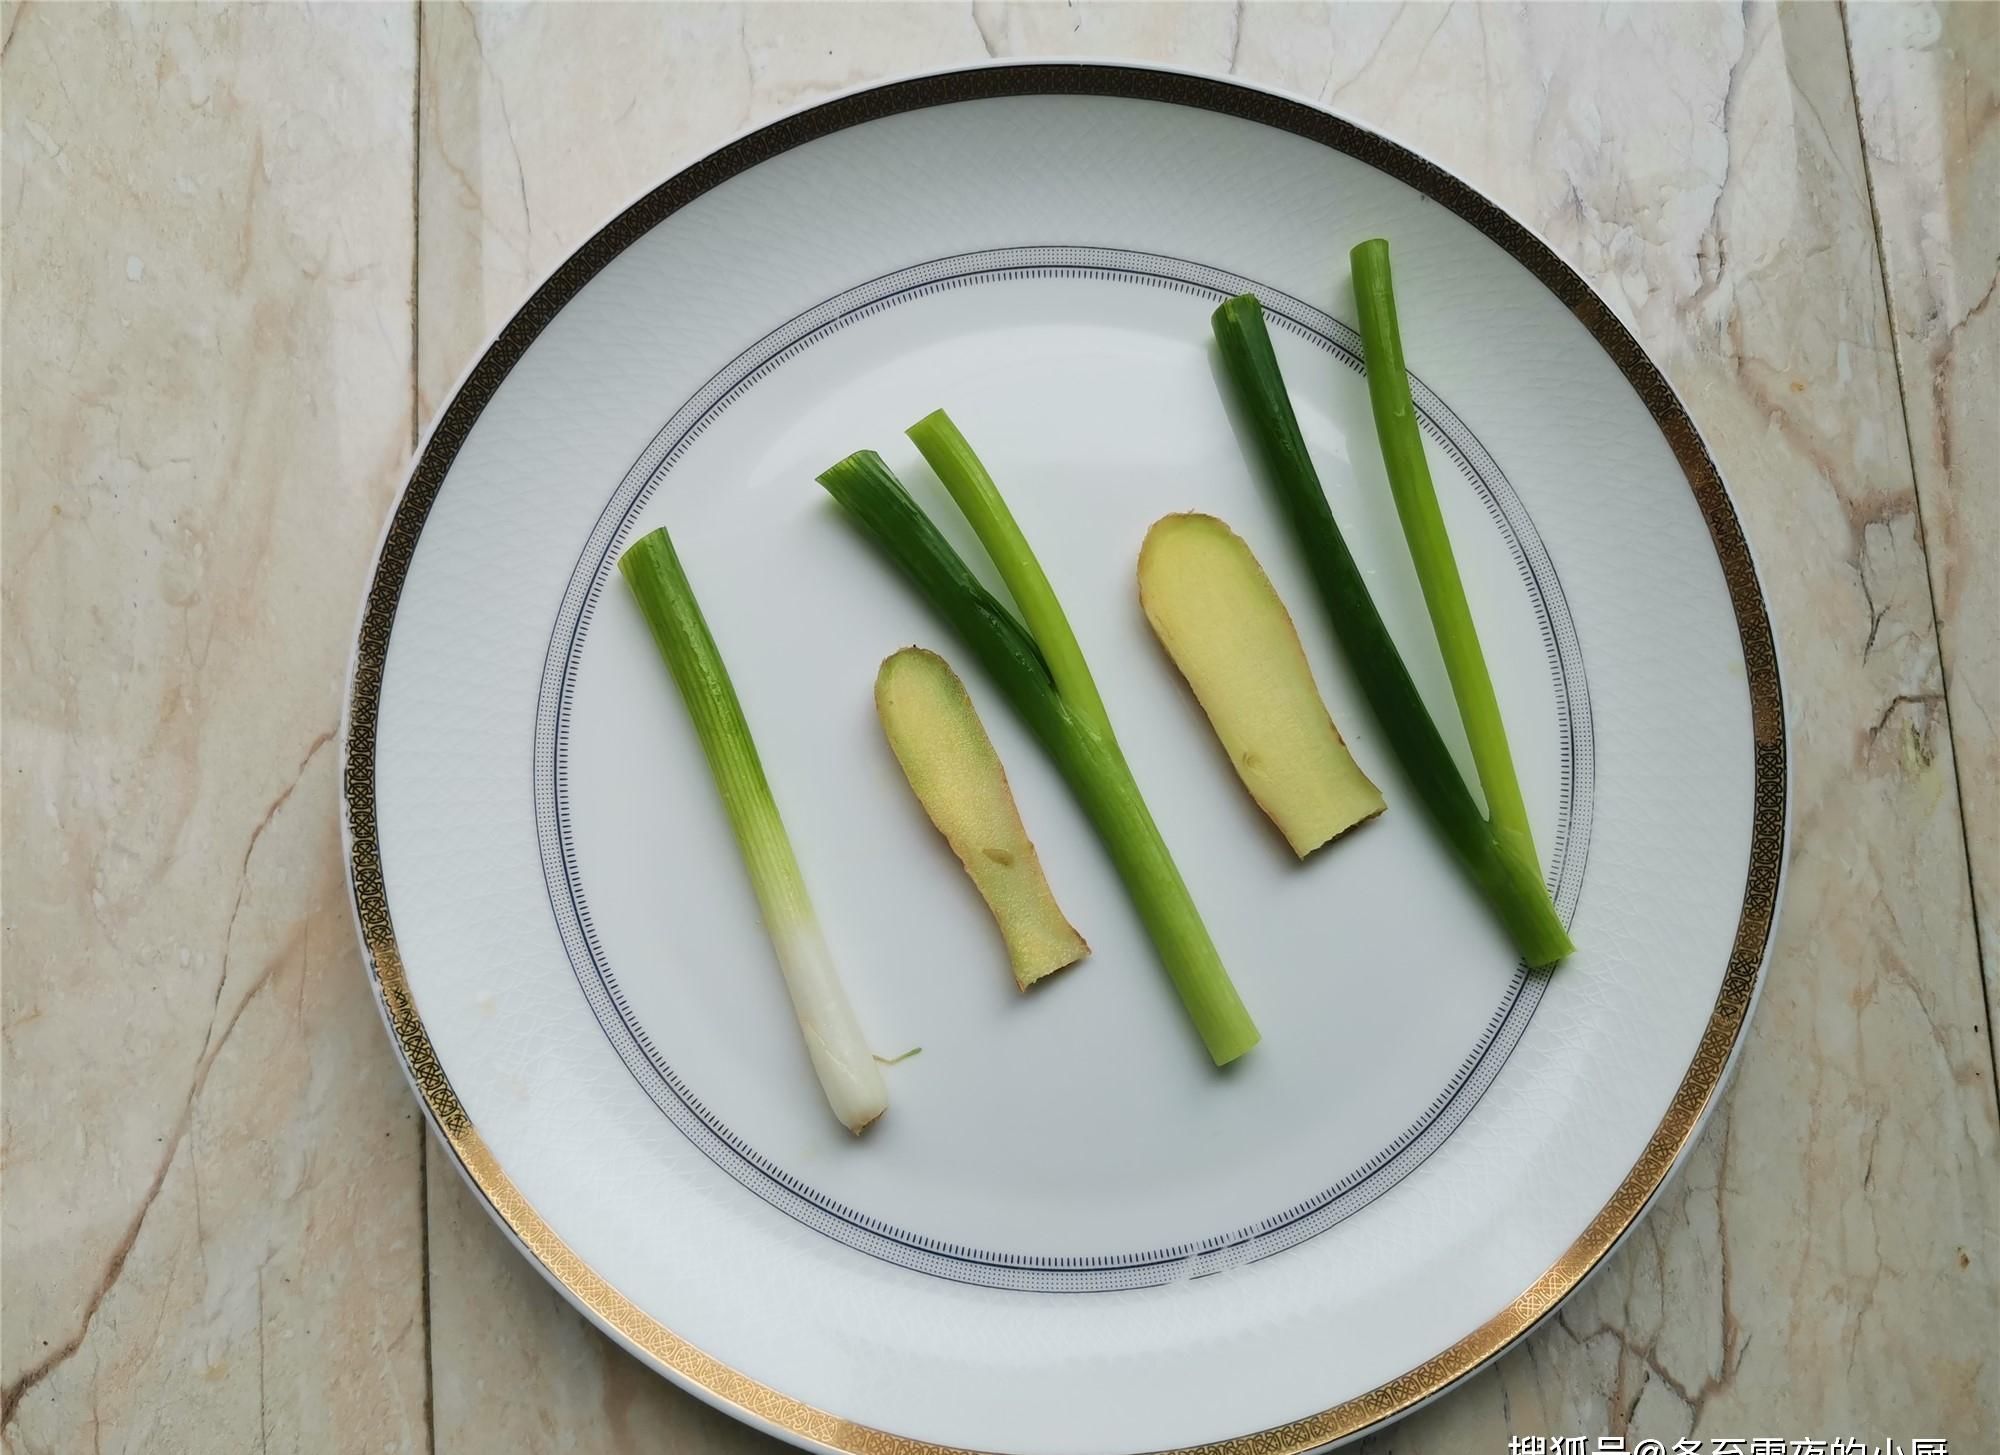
[(1041, 670), (847, 1069)]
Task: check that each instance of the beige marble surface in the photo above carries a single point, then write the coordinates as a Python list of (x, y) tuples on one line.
[(246, 250), (1927, 78), (213, 1224)]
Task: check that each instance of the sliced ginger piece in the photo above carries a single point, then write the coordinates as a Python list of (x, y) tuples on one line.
[(1220, 619), (936, 735)]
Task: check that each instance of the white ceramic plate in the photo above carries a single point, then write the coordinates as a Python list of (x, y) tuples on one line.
[(1069, 1233)]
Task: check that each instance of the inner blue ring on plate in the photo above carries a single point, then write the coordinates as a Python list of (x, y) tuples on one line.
[(922, 1252)]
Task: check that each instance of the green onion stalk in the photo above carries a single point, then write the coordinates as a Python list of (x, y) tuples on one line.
[(846, 1068), (1495, 848), (1040, 668)]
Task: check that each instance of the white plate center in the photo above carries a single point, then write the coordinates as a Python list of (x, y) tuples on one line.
[(1081, 1119)]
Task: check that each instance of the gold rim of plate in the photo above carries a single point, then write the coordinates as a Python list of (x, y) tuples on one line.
[(1705, 1074)]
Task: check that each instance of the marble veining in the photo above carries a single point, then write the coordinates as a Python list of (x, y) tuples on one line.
[(247, 251), (1925, 80), (213, 1226)]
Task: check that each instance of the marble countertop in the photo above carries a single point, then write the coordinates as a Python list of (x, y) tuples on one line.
[(246, 253)]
